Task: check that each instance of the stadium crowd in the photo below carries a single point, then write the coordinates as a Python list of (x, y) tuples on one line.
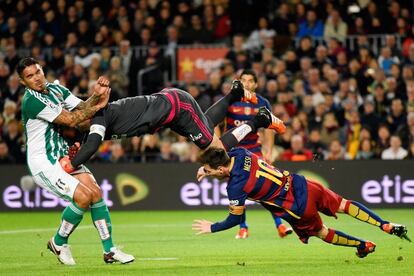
[(339, 102)]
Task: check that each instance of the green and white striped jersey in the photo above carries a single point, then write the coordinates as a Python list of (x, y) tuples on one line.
[(44, 144)]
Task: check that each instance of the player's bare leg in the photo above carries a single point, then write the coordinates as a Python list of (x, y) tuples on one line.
[(71, 217), (102, 221), (362, 213)]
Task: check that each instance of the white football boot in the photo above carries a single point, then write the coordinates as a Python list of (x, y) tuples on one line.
[(116, 255), (63, 252)]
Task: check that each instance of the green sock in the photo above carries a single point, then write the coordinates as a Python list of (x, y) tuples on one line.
[(71, 217), (102, 221)]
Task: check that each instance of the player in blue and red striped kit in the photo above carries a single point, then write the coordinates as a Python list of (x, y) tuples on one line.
[(240, 112), (290, 196)]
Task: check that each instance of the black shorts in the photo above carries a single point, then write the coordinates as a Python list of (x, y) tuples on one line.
[(187, 119)]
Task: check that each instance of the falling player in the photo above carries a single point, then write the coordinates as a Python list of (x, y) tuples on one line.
[(172, 108), (290, 196)]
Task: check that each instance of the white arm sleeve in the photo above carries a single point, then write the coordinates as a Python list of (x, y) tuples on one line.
[(98, 129)]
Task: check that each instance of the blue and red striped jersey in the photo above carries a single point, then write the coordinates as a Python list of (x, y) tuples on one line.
[(241, 112), (254, 179)]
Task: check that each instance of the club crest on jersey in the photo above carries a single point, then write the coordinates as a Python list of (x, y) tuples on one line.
[(248, 110)]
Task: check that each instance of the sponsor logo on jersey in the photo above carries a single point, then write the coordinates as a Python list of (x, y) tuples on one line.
[(196, 137), (234, 202)]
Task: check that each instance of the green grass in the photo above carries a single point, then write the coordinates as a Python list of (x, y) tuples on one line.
[(168, 234)]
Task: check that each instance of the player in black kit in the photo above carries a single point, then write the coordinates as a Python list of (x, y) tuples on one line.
[(172, 108)]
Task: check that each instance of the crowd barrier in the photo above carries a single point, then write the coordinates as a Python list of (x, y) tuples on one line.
[(170, 186)]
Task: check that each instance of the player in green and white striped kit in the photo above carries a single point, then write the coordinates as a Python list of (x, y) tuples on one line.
[(45, 106)]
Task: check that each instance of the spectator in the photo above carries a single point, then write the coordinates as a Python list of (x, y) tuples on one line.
[(5, 157), (84, 57), (14, 141), (350, 133), (397, 116), (385, 60), (406, 131), (315, 144), (166, 154), (297, 151), (312, 27), (330, 128), (256, 39), (383, 140), (336, 151), (365, 151), (203, 100), (335, 27), (118, 154), (119, 81), (395, 151)]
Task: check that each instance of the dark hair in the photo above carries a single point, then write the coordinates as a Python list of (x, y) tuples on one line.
[(214, 157), (249, 72), (25, 62)]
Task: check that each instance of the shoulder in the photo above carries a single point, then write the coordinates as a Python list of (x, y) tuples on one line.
[(58, 88), (238, 152), (33, 103)]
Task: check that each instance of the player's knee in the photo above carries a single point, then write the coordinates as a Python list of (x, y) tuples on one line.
[(323, 232), (82, 198), (96, 194)]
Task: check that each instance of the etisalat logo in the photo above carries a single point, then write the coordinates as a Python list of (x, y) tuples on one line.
[(129, 188), (388, 190)]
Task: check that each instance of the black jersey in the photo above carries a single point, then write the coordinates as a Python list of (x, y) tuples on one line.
[(134, 116)]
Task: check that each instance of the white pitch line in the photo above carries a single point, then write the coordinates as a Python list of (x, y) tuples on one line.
[(157, 259)]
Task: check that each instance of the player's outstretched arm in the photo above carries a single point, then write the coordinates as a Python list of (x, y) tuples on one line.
[(87, 149), (205, 227)]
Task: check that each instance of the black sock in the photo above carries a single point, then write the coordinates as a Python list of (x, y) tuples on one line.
[(217, 112)]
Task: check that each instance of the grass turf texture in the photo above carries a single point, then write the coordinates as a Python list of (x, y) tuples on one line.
[(163, 243)]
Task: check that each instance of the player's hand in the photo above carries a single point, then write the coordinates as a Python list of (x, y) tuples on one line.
[(73, 150), (202, 226), (201, 173), (66, 164), (101, 85)]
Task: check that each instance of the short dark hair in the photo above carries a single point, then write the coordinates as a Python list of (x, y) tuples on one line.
[(214, 157), (25, 62), (249, 72)]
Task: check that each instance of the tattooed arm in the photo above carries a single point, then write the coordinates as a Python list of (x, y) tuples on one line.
[(74, 118)]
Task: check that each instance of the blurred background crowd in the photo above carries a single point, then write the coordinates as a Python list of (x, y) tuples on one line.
[(339, 73)]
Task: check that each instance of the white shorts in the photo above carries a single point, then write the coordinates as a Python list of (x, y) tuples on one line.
[(54, 179)]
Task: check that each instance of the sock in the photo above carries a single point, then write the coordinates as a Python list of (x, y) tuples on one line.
[(243, 223), (359, 211), (71, 217), (217, 112), (232, 137), (278, 221), (339, 238), (102, 222)]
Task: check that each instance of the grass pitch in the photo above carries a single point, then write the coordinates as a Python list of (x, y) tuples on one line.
[(163, 243)]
